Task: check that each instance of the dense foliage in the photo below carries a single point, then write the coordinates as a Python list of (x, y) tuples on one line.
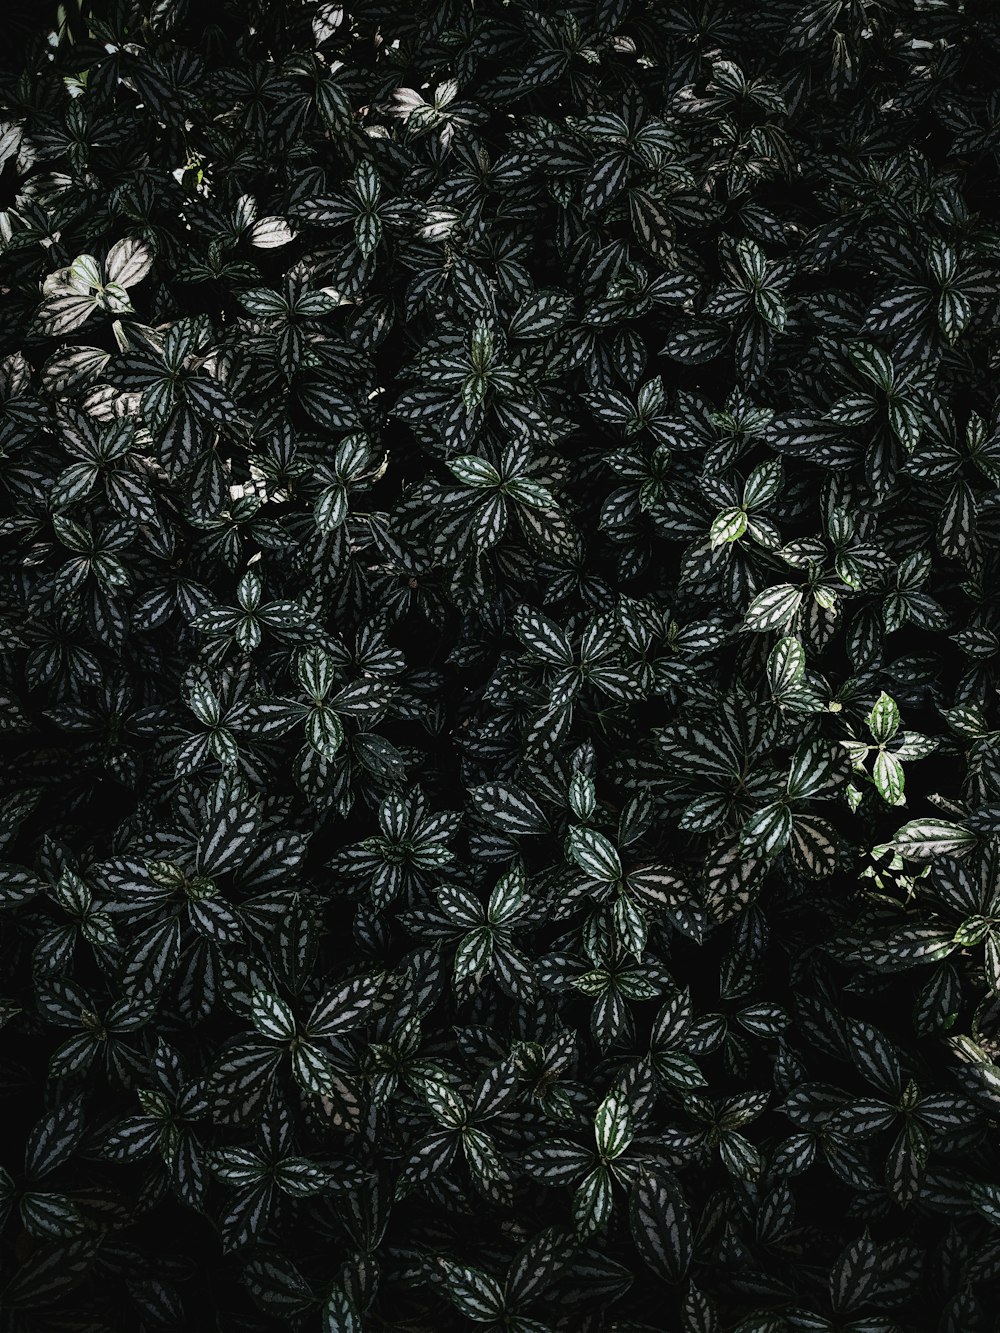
[(499, 613)]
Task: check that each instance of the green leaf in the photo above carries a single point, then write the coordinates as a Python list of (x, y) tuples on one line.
[(873, 364), (594, 854), (855, 1275), (474, 953), (509, 809), (768, 830), (661, 1228), (473, 471), (540, 316), (889, 779), (773, 608), (508, 898), (739, 1156), (883, 720), (728, 526), (339, 1314), (925, 839), (272, 1017), (343, 1008), (763, 484), (543, 637), (592, 1203), (786, 664), (613, 1126), (475, 1294), (986, 1200)]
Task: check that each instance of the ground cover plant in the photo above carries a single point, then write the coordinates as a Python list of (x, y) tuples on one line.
[(500, 770)]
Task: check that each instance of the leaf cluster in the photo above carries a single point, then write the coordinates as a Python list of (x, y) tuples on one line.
[(498, 668)]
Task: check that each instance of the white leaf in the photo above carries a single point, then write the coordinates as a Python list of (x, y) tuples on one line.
[(128, 262), (271, 233), (773, 608)]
